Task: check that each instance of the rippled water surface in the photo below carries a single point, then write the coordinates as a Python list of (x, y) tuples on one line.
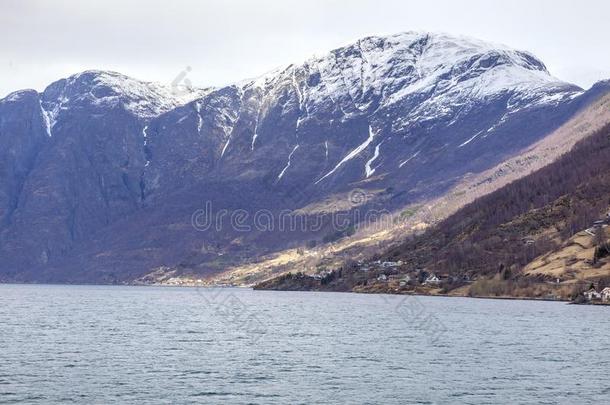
[(90, 344)]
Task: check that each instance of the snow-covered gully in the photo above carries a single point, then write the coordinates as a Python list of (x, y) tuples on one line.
[(352, 154), (288, 163)]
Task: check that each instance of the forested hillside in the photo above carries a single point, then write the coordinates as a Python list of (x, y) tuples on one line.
[(507, 229)]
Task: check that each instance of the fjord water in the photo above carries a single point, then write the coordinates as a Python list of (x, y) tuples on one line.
[(97, 344)]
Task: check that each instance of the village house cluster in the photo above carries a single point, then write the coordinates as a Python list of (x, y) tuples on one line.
[(399, 274), (389, 271), (593, 295)]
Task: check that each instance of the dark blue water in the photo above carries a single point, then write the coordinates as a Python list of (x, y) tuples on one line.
[(85, 344)]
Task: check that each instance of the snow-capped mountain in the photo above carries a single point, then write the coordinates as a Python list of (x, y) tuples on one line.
[(103, 172), (102, 90), (377, 105)]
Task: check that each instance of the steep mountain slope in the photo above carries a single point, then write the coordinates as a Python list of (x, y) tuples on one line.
[(534, 216), (22, 136), (108, 171), (425, 213), (545, 235), (383, 107), (78, 159)]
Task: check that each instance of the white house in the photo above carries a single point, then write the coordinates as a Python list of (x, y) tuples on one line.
[(592, 294), (432, 279), (382, 277), (606, 294)]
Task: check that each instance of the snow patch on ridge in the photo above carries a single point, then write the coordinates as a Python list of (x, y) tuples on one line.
[(447, 73), (145, 99), (110, 89)]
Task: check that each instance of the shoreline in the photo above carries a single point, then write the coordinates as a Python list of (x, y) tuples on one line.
[(503, 298)]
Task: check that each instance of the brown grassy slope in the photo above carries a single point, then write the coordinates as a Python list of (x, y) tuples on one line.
[(571, 260)]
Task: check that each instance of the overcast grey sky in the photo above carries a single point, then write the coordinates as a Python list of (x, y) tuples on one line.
[(225, 41)]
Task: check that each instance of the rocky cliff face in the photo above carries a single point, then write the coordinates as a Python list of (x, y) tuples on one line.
[(73, 159), (101, 173), (22, 136)]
